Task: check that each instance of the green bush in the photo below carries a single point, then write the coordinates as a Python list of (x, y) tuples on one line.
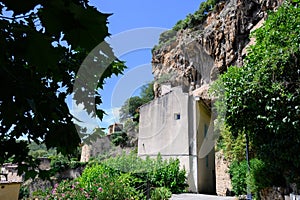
[(24, 192), (263, 175), (238, 173), (65, 190), (60, 163), (158, 172), (232, 146), (160, 193), (105, 183), (119, 138), (130, 163), (258, 178), (123, 177), (96, 182), (168, 174)]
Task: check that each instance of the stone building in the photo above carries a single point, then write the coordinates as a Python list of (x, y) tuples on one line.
[(178, 125), (116, 127)]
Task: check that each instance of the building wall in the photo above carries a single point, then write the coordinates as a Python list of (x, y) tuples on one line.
[(206, 153), (173, 125), (165, 128), (160, 130), (101, 146)]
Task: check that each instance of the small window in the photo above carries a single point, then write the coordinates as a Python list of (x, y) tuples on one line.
[(205, 129), (177, 116)]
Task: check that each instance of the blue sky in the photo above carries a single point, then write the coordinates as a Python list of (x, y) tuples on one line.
[(130, 27)]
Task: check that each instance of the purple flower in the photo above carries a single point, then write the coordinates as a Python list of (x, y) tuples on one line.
[(54, 191), (100, 189)]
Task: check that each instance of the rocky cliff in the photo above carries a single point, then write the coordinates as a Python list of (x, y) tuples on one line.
[(193, 57)]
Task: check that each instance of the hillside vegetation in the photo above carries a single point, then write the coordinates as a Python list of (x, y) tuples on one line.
[(261, 100)]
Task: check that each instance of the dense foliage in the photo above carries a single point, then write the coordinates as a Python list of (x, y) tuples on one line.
[(158, 172), (60, 163), (262, 98), (160, 193), (119, 138), (238, 172), (43, 44), (113, 184), (130, 108), (232, 147), (40, 150), (123, 177), (256, 179), (198, 17)]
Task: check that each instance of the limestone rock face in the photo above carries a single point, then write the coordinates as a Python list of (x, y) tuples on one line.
[(195, 56)]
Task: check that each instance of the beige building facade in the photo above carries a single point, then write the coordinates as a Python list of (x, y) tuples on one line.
[(178, 125)]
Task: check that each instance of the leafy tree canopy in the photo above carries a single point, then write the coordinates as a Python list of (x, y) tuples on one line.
[(37, 72), (131, 105), (262, 98), (147, 93), (40, 150)]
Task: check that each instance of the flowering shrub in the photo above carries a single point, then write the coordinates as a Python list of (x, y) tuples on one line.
[(114, 185), (73, 190), (123, 177), (68, 190)]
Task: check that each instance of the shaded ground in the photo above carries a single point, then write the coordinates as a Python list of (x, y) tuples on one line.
[(199, 197)]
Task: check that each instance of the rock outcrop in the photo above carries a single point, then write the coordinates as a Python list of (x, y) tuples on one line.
[(195, 56)]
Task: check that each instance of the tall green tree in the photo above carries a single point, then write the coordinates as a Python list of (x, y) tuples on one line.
[(37, 72), (262, 98), (130, 108), (147, 93)]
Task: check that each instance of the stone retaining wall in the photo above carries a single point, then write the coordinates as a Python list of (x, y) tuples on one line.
[(223, 182)]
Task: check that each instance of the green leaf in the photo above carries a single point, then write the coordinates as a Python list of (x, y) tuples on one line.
[(40, 53)]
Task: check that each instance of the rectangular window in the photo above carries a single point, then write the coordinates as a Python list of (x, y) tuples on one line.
[(205, 130), (177, 116), (206, 160)]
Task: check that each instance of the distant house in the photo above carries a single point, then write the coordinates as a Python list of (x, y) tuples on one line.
[(178, 125), (116, 127), (100, 145)]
